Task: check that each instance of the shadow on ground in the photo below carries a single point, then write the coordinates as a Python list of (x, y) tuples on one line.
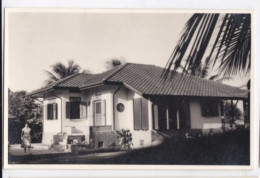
[(231, 148)]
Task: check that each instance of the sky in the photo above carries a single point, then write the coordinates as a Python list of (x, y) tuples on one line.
[(38, 40)]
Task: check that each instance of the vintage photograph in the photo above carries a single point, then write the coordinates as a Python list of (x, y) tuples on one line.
[(128, 87)]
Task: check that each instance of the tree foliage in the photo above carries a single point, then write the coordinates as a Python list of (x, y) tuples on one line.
[(231, 50), (22, 107), (232, 111), (60, 71), (110, 64)]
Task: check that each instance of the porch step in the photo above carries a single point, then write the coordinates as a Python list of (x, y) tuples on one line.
[(164, 134), (172, 133)]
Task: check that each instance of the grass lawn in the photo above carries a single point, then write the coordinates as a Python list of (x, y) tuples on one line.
[(230, 148)]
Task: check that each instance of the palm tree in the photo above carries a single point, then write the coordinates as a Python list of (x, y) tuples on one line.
[(202, 71), (110, 64), (60, 71), (231, 50)]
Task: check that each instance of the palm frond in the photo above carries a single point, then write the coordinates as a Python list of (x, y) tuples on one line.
[(231, 49), (236, 45), (222, 79), (51, 78), (60, 70), (200, 28), (72, 68)]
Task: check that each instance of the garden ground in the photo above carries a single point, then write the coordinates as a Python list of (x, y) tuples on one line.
[(231, 148)]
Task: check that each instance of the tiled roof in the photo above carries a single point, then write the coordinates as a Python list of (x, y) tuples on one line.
[(100, 78), (147, 80), (75, 81), (72, 81)]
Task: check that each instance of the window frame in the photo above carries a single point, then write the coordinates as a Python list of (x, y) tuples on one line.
[(96, 102), (207, 104), (73, 100), (54, 113)]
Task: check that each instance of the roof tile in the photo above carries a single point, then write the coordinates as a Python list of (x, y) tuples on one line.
[(148, 80)]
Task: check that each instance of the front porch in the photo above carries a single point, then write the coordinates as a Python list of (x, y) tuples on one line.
[(174, 117)]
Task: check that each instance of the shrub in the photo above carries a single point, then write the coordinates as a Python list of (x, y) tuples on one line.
[(125, 137)]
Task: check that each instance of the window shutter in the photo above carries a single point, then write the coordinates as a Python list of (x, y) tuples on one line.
[(145, 121), (83, 109), (55, 113), (137, 113), (50, 111), (93, 113), (155, 117), (46, 111), (103, 112), (56, 110), (68, 110)]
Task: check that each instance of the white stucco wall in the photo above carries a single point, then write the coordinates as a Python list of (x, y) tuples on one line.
[(125, 119), (51, 127), (118, 120), (77, 126), (200, 122)]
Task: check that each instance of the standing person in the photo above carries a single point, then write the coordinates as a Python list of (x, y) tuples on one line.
[(26, 138)]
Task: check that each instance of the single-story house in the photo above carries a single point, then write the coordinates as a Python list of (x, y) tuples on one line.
[(135, 97)]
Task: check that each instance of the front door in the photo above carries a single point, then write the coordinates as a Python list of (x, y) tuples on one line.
[(99, 113)]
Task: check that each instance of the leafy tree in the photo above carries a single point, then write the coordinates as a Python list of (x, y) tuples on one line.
[(110, 64), (25, 109), (59, 71), (231, 50)]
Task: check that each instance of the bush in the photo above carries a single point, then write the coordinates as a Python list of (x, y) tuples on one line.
[(126, 139)]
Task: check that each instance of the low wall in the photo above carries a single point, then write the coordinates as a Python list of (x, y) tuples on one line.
[(103, 137)]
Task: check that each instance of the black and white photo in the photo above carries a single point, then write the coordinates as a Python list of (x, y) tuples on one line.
[(122, 87)]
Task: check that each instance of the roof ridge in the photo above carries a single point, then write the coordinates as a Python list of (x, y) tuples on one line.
[(114, 72), (66, 78)]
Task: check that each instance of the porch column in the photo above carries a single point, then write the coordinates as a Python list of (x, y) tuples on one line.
[(232, 114), (178, 119), (167, 118)]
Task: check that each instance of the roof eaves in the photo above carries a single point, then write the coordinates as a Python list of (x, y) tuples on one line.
[(133, 89), (51, 86), (31, 94)]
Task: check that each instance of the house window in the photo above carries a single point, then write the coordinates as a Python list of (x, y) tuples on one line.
[(141, 114), (100, 113), (73, 108), (98, 107), (52, 111), (100, 144), (209, 108)]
